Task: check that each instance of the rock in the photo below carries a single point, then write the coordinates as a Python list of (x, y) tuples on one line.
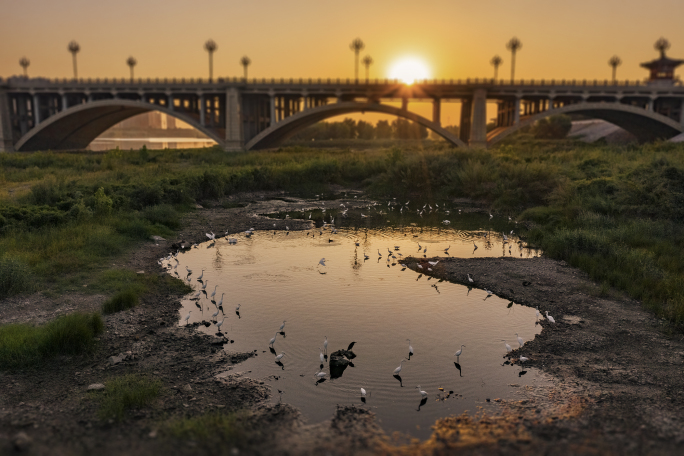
[(187, 388), (341, 358), (157, 238), (116, 359), (21, 441), (96, 387)]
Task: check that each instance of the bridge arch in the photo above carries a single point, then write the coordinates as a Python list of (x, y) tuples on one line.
[(78, 126), (282, 130), (645, 125)]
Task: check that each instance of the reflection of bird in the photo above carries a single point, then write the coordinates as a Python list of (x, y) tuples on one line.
[(422, 393), (520, 339), (351, 346), (272, 341), (325, 344), (549, 317), (280, 356), (187, 317), (398, 369), (458, 353), (410, 347)]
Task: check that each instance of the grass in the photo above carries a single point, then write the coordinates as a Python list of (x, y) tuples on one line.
[(213, 427), (25, 345), (125, 393), (15, 277), (132, 287), (613, 211)]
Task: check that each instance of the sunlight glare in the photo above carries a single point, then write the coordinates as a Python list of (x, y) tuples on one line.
[(409, 69)]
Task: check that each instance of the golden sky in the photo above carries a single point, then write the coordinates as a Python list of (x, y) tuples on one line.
[(310, 38)]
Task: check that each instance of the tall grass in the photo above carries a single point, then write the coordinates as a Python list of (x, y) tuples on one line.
[(24, 345), (212, 427), (127, 392), (15, 277)]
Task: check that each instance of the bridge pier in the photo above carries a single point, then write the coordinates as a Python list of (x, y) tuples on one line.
[(436, 111), (6, 143), (478, 119), (233, 121), (516, 111)]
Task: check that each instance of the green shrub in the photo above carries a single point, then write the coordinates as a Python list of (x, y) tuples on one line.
[(163, 214), (224, 428), (15, 277), (125, 393), (554, 127), (24, 344), (123, 300)]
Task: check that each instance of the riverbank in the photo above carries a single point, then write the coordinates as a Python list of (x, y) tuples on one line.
[(615, 375)]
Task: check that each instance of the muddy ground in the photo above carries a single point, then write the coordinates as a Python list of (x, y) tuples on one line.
[(617, 377)]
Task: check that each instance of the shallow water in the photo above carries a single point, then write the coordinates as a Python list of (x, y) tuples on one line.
[(373, 302)]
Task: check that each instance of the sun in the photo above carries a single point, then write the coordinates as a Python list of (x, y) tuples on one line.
[(409, 70)]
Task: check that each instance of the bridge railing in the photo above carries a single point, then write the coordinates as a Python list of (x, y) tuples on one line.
[(71, 82)]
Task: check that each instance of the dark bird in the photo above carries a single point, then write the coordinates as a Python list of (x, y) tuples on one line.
[(351, 346)]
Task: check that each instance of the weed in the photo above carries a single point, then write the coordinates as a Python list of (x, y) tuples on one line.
[(24, 345), (123, 300), (15, 277), (216, 427), (127, 392)]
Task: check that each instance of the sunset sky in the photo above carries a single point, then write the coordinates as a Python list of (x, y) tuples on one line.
[(306, 38)]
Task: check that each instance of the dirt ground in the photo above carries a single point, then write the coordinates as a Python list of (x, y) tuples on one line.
[(616, 377)]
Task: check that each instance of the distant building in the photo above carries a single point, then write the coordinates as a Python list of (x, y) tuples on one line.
[(662, 69)]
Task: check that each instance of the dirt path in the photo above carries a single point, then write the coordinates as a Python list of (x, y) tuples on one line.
[(617, 380)]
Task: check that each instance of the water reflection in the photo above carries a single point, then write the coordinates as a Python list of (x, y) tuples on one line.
[(373, 304)]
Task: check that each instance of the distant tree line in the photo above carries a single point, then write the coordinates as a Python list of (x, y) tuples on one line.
[(352, 129)]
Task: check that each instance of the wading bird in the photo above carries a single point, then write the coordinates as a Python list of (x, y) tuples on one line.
[(410, 347), (470, 278), (549, 317), (237, 309), (474, 245), (363, 392), (398, 369), (520, 339), (321, 356), (523, 359), (282, 326), (422, 393), (187, 317), (218, 324), (220, 303), (458, 353), (322, 262), (189, 270), (213, 293), (320, 374), (201, 275), (280, 356), (325, 344), (272, 341), (508, 347)]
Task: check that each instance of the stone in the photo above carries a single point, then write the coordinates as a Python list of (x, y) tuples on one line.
[(96, 387), (116, 359), (21, 441), (187, 388), (157, 238)]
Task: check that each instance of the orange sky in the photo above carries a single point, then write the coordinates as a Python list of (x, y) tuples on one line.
[(310, 38)]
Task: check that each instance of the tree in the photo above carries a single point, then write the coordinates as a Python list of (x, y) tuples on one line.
[(513, 45), (210, 46), (662, 45), (245, 62), (383, 130), (74, 48), (554, 127), (615, 62), (496, 62), (24, 62), (404, 129), (367, 61), (364, 130), (356, 46), (131, 62)]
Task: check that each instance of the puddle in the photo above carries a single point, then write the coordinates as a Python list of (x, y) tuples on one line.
[(363, 295)]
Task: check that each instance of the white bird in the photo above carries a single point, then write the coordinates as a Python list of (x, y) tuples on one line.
[(213, 293), (215, 314), (433, 263), (523, 359), (280, 356), (320, 374), (322, 262), (489, 292), (282, 326), (204, 287), (272, 341), (490, 216), (363, 392), (470, 279), (218, 324), (201, 275), (379, 254), (211, 236), (520, 339), (410, 347), (549, 317), (458, 353), (187, 317), (220, 303), (398, 369), (325, 344), (422, 393), (505, 238), (321, 356), (237, 309), (538, 313), (189, 270), (508, 347)]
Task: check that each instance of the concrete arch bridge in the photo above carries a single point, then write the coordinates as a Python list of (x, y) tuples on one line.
[(42, 114)]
